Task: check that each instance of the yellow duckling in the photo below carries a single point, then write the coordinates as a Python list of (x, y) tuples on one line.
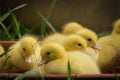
[(77, 43), (109, 56), (24, 54), (56, 59), (1, 49), (90, 36), (115, 39), (71, 28), (1, 52), (56, 37), (74, 42)]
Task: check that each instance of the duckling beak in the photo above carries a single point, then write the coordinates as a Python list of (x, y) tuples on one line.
[(96, 46), (42, 62), (28, 60)]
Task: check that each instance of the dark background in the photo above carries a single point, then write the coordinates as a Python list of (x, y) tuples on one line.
[(94, 14)]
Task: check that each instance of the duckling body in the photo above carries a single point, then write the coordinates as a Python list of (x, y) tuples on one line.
[(56, 37), (57, 60), (93, 53), (24, 54), (110, 53)]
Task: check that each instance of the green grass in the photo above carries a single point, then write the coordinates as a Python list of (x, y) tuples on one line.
[(4, 62), (47, 18), (28, 73), (103, 34), (69, 70), (5, 30), (15, 30), (16, 26)]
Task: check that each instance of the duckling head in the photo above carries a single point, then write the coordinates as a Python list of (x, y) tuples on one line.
[(75, 42), (28, 45), (90, 36), (71, 28), (50, 52)]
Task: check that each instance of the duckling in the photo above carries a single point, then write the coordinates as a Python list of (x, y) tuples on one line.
[(90, 36), (107, 55), (115, 39), (70, 42), (71, 28), (55, 37), (56, 59), (1, 49), (110, 54), (74, 42), (77, 43), (1, 52), (24, 54)]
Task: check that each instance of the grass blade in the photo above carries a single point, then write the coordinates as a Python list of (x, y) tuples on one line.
[(17, 26), (4, 53), (69, 70), (8, 13), (4, 17), (6, 31), (18, 7), (26, 74), (4, 63), (51, 9), (40, 14), (43, 26)]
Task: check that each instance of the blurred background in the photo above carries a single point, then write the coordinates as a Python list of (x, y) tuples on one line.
[(97, 15)]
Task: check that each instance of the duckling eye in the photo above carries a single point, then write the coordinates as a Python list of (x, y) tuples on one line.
[(48, 53), (79, 44), (24, 49), (89, 39)]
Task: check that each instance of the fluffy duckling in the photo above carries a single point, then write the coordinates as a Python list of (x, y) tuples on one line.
[(71, 43), (56, 37), (1, 58), (71, 28), (24, 54), (77, 43), (115, 39), (107, 55), (74, 42), (110, 53), (90, 36), (1, 49), (56, 59)]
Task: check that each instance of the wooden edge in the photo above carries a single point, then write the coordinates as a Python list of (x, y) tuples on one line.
[(11, 75), (6, 44)]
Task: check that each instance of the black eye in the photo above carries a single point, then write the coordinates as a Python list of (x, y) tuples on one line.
[(48, 53), (24, 49), (89, 40), (79, 44)]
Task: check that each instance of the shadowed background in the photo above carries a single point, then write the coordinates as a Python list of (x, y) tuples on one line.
[(94, 14)]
